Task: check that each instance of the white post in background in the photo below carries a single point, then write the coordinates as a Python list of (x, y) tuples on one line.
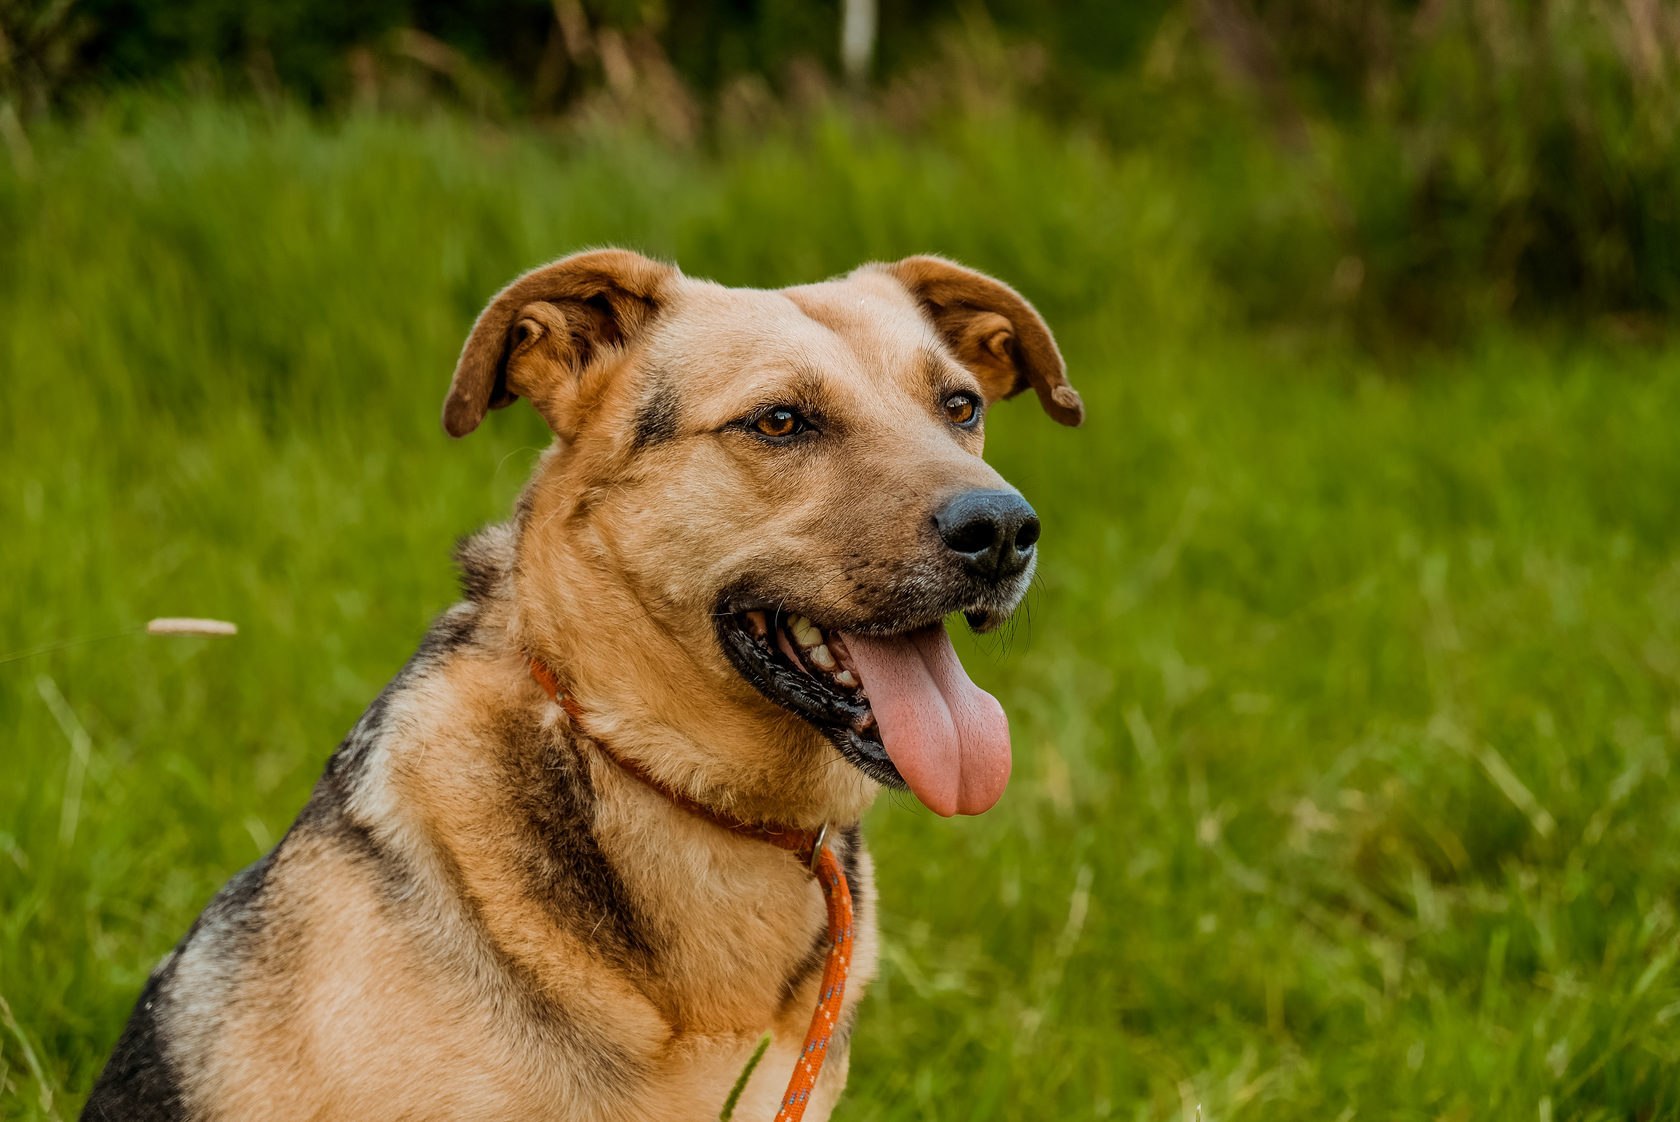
[(857, 38)]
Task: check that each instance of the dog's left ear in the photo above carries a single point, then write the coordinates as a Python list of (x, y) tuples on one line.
[(993, 331), (544, 333)]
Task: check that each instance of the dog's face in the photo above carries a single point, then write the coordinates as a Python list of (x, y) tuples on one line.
[(763, 507)]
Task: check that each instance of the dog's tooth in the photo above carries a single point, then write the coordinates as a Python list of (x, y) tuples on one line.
[(759, 627), (819, 655), (805, 631), (847, 678)]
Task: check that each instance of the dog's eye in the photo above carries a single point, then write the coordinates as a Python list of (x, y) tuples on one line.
[(962, 410), (780, 423)]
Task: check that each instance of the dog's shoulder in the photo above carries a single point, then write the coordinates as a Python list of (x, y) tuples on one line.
[(142, 1080), (146, 1077)]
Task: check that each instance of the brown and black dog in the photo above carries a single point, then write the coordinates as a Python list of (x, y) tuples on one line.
[(737, 557)]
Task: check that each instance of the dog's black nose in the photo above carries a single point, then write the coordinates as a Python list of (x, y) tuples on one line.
[(994, 531)]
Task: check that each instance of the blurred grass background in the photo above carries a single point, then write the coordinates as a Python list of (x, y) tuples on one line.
[(1345, 709)]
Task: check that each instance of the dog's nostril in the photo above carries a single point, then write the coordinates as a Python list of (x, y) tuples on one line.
[(1027, 536), (976, 536)]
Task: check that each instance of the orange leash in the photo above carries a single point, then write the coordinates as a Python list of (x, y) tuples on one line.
[(838, 895), (814, 855)]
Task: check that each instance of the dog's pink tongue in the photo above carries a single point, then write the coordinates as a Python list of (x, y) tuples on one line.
[(946, 735)]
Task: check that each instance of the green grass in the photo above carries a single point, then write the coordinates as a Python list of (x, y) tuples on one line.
[(1344, 715)]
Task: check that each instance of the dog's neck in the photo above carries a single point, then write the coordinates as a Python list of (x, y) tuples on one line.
[(802, 842)]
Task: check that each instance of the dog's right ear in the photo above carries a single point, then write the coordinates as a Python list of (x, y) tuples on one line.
[(542, 334), (993, 331)]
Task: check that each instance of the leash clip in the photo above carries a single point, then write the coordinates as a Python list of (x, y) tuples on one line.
[(817, 847)]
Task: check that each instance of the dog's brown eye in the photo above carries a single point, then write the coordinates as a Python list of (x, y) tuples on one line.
[(779, 423), (962, 410)]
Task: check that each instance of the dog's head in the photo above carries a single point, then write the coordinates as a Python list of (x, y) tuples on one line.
[(760, 510)]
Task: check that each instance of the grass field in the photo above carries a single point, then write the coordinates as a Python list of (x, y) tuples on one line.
[(1344, 714)]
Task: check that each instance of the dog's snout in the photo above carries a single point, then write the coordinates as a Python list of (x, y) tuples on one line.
[(993, 531)]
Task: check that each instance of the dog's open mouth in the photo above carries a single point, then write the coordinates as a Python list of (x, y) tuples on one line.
[(900, 706)]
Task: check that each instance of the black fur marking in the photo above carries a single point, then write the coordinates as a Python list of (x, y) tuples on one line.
[(485, 559), (808, 967), (554, 802), (656, 416), (235, 908), (451, 631), (364, 734), (327, 814), (139, 1083), (606, 1065), (477, 581), (849, 861)]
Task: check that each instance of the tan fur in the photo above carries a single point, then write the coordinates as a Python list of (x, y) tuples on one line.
[(417, 950)]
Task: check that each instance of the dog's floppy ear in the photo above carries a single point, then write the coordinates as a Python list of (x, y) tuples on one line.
[(542, 332), (993, 331)]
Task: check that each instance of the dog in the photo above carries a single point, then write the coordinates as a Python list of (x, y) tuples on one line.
[(532, 882)]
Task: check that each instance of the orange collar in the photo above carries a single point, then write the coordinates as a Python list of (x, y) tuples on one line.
[(804, 843)]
